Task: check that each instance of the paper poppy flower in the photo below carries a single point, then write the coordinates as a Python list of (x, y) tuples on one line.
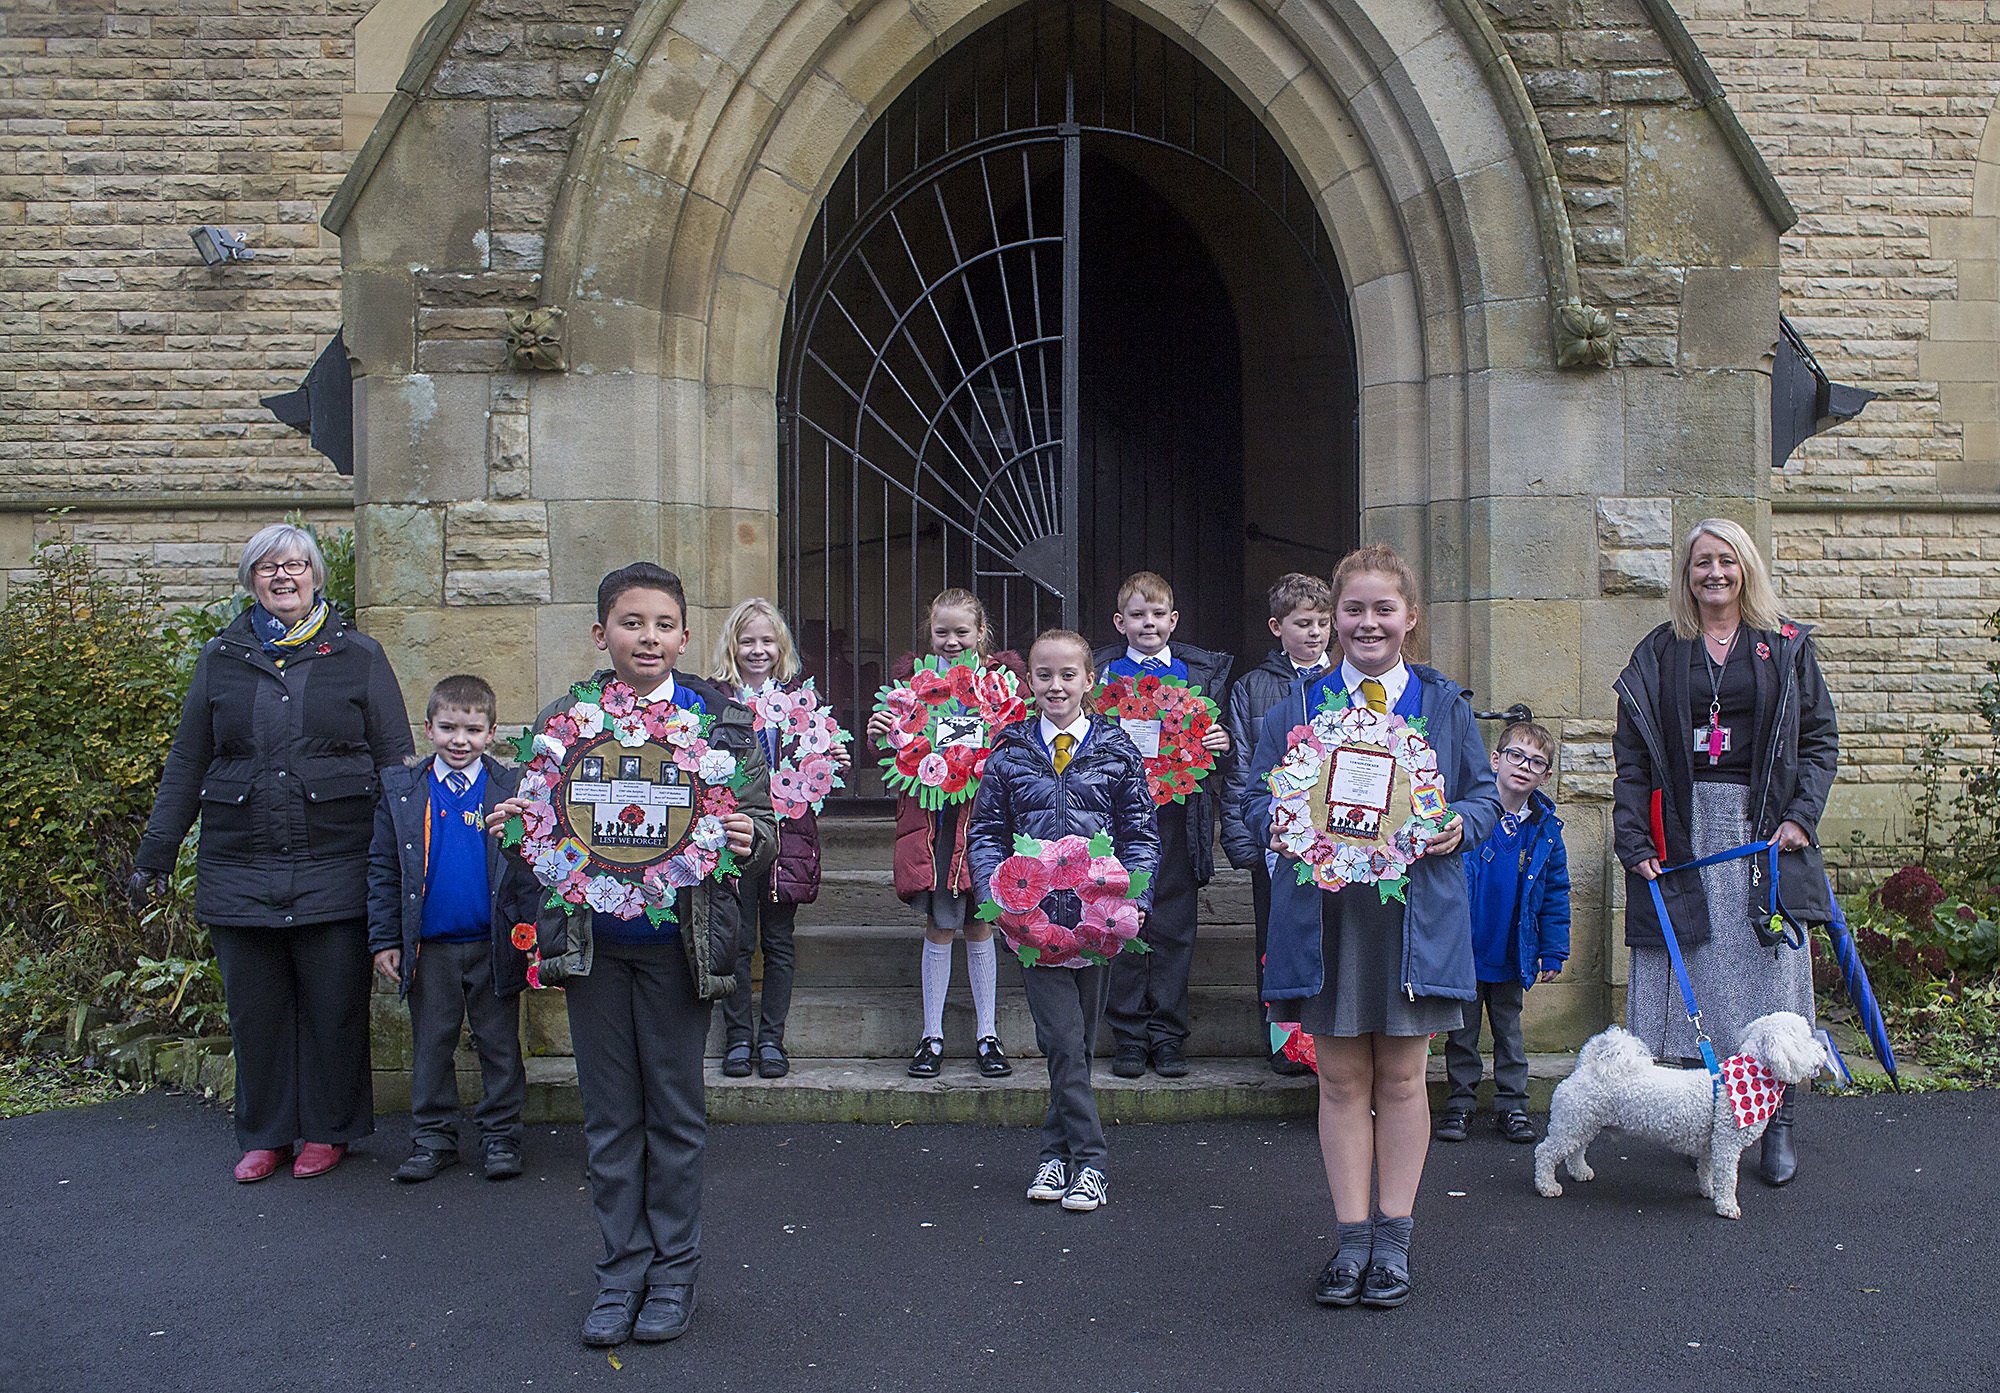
[(789, 797), (562, 727), (1105, 879), (1020, 883), (617, 699), (688, 757), (631, 815), (1068, 861), (932, 770), (911, 757), (522, 937), (931, 686), (964, 682), (538, 820), (1059, 946)]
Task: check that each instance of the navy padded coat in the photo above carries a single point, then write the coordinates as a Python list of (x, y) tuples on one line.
[(1102, 790)]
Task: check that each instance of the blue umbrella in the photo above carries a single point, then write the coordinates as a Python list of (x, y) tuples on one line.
[(1859, 992)]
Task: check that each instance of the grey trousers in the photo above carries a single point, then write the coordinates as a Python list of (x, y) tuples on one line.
[(1502, 1003), (451, 984), (1148, 1003), (1066, 1003), (298, 1022), (639, 1033)]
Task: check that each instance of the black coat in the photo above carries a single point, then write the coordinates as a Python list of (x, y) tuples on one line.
[(1250, 696), (1102, 790), (1795, 749), (283, 766), (1210, 672), (396, 874)]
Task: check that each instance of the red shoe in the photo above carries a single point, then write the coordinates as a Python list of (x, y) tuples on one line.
[(258, 1165), (317, 1158)]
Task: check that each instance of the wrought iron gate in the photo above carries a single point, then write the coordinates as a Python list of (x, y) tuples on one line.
[(929, 385)]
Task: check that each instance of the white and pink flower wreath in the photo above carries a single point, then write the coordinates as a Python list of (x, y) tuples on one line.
[(808, 733)]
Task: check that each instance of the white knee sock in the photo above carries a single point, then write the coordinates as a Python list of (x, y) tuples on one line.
[(937, 985), (982, 965)]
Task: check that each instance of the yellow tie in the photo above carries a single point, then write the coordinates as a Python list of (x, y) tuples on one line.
[(1064, 744), (1375, 695)]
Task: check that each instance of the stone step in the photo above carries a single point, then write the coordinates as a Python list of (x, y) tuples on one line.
[(878, 1091), (868, 896), (883, 1023), (891, 955)]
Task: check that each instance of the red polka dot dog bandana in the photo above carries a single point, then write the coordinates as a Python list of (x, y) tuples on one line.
[(1754, 1092)]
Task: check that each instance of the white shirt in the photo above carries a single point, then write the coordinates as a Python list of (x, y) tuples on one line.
[(1393, 681), (665, 691), (1077, 729), (1165, 655), (443, 770)]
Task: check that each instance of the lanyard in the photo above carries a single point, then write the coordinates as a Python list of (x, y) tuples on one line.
[(1715, 674)]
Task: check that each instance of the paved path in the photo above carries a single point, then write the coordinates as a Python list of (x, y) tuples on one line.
[(880, 1258)]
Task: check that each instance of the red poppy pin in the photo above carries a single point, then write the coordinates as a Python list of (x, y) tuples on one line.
[(1789, 630), (1764, 651), (324, 649)]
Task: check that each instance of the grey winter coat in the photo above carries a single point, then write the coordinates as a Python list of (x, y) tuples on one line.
[(282, 765)]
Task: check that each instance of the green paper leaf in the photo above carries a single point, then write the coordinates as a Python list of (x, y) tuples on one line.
[(1393, 889), (725, 864), (988, 911), (1091, 955), (1140, 881), (1421, 725), (1333, 699), (1100, 845), (1026, 846), (524, 745), (1137, 945), (591, 692), (512, 831), (658, 914), (1028, 956), (1305, 873)]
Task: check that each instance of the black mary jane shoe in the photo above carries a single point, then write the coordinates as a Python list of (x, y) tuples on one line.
[(610, 1319), (992, 1059), (1339, 1284), (1384, 1288), (771, 1061), (736, 1061), (928, 1059)]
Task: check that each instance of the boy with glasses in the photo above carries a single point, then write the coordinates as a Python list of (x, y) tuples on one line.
[(1518, 879)]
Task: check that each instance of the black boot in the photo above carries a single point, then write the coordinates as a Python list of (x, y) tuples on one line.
[(1778, 1162)]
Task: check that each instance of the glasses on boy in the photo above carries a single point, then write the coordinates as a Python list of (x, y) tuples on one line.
[(1521, 759)]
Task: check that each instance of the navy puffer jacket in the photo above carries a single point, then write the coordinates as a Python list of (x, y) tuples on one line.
[(1102, 790)]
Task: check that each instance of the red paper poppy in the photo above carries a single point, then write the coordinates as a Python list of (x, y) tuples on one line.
[(1068, 862), (911, 755), (964, 680), (1020, 883), (522, 937), (931, 686)]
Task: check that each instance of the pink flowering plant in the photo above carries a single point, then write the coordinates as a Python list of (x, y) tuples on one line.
[(1080, 880)]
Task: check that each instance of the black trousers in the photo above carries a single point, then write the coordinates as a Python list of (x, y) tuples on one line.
[(1148, 1004), (1260, 905), (1502, 1003), (774, 934), (452, 984), (298, 1023), (1066, 1003), (639, 1034)]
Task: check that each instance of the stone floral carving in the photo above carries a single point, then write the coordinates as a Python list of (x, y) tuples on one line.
[(1583, 337), (534, 339)]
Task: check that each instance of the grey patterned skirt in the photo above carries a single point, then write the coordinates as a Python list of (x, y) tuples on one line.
[(1736, 979)]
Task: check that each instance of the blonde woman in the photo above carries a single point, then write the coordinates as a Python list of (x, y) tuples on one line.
[(1726, 735)]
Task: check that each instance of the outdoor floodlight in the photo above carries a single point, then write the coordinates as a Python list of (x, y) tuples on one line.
[(219, 244)]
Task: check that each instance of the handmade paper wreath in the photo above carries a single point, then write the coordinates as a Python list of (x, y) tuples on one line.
[(945, 719), (1167, 719), (1334, 860), (624, 845), (1107, 919), (808, 732)]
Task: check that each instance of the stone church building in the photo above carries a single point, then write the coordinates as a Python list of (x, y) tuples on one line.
[(844, 300)]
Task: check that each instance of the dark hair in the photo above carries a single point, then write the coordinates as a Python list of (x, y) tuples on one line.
[(1296, 590), (467, 693), (1066, 636), (640, 575)]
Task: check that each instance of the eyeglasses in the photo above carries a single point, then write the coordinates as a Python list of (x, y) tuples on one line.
[(291, 566), (1521, 759)]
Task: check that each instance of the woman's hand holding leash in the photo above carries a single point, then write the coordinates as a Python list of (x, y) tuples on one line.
[(1790, 837)]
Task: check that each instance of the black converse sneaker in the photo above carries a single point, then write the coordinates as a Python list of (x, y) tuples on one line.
[(1087, 1192), (1051, 1180)]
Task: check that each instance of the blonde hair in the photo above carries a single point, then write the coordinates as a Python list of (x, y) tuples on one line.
[(1378, 559), (955, 598), (1072, 638), (727, 668), (1147, 585), (1758, 601)]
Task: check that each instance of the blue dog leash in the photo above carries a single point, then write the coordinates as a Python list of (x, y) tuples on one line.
[(1792, 934)]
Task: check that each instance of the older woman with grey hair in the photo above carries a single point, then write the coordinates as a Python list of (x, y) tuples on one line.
[(290, 715)]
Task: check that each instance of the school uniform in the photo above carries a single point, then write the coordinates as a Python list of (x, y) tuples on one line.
[(1148, 1005), (639, 998), (438, 893), (1354, 965), (1100, 788)]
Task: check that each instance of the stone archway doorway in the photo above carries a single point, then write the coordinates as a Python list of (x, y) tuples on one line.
[(1067, 312)]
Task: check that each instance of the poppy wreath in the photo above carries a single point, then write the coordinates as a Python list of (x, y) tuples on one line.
[(808, 733), (941, 690), (1329, 861), (1185, 716), (552, 757), (1094, 887)]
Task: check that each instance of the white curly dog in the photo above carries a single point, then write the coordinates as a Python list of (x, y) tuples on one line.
[(1616, 1084)]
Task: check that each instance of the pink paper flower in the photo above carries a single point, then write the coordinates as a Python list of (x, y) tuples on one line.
[(1059, 946), (789, 795), (1118, 918), (1068, 861), (1020, 883), (538, 821), (688, 757), (931, 770), (1105, 880), (618, 699)]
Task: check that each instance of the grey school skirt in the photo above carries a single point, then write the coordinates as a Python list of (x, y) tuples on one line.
[(1361, 944)]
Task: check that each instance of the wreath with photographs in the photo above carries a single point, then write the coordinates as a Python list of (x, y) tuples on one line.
[(1167, 720), (646, 839), (1107, 917), (944, 719)]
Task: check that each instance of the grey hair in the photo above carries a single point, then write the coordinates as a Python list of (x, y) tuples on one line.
[(278, 539)]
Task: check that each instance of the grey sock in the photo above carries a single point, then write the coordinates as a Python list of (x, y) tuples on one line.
[(1355, 1240), (1392, 1244)]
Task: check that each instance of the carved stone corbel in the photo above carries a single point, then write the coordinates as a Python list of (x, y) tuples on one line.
[(535, 339)]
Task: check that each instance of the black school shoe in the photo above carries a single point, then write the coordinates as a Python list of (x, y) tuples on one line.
[(771, 1061), (425, 1164), (736, 1060), (503, 1160), (1449, 1127), (1169, 1062), (667, 1314), (1129, 1063), (1339, 1283), (1385, 1289), (610, 1319), (924, 1064), (992, 1059), (1515, 1127)]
